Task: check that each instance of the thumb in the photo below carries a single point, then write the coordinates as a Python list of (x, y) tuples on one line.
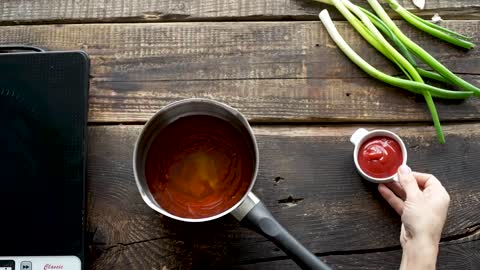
[(408, 181)]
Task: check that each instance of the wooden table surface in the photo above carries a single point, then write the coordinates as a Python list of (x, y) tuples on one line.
[(273, 61)]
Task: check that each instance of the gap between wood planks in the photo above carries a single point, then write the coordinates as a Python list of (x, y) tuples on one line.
[(455, 14), (107, 79), (317, 124), (57, 11)]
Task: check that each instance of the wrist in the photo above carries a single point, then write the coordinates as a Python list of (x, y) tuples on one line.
[(420, 254)]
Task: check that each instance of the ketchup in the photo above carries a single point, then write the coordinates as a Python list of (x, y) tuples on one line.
[(380, 157)]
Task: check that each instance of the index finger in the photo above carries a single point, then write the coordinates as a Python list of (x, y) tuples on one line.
[(425, 179)]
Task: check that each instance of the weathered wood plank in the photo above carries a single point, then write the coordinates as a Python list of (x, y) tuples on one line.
[(282, 71), (24, 11), (277, 100), (227, 51), (460, 256), (339, 213)]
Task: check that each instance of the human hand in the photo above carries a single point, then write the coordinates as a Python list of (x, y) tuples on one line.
[(422, 202)]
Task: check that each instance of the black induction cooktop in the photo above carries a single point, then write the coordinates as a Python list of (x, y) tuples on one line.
[(43, 118)]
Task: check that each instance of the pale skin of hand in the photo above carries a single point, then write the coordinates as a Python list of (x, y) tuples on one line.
[(422, 202)]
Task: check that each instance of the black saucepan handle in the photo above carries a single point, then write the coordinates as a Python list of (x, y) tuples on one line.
[(254, 214)]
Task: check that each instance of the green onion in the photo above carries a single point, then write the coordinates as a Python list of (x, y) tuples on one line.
[(342, 6), (412, 72), (371, 28), (432, 75), (416, 87), (366, 33), (407, 16), (431, 28), (402, 48), (412, 86), (386, 31), (438, 27), (421, 53)]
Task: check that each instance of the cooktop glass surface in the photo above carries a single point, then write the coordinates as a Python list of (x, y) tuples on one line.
[(43, 116)]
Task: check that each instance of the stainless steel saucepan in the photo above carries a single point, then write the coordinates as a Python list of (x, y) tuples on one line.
[(249, 210)]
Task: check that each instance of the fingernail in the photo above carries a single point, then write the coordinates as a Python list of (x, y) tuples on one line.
[(404, 169)]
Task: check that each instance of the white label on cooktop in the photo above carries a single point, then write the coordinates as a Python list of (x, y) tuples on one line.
[(43, 263)]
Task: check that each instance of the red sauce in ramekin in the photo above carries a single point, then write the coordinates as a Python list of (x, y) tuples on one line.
[(380, 157)]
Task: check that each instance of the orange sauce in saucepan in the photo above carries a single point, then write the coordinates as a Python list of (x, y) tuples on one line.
[(199, 166)]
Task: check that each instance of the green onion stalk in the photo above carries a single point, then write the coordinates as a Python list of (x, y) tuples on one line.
[(402, 48), (421, 53), (438, 27), (412, 86), (431, 28), (345, 6), (369, 26)]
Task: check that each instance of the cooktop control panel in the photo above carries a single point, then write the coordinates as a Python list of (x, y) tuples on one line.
[(41, 263)]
